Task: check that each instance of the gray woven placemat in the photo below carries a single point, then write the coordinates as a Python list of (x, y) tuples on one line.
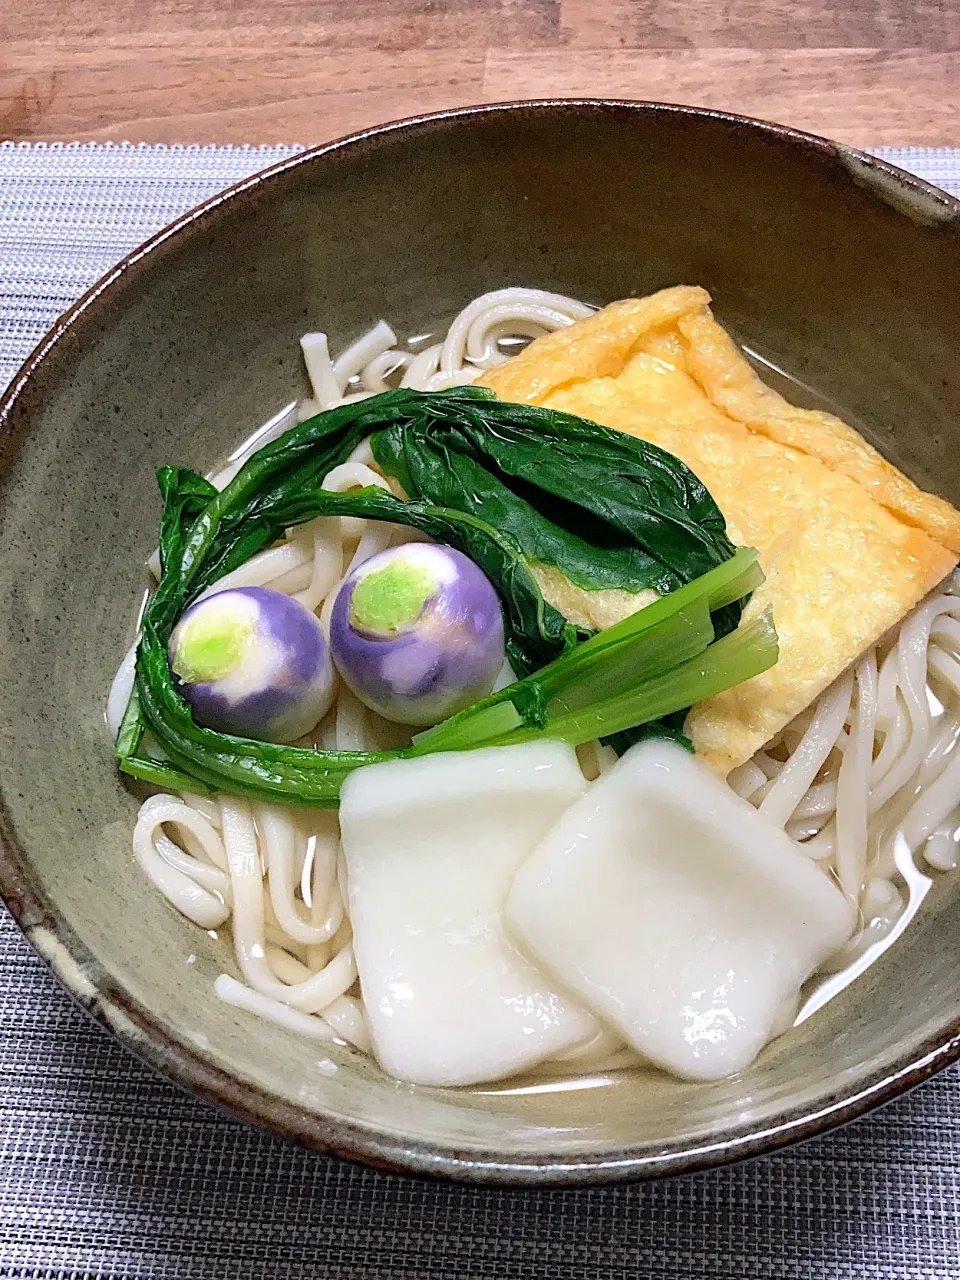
[(108, 1171)]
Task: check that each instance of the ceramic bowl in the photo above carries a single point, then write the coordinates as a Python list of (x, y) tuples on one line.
[(829, 265)]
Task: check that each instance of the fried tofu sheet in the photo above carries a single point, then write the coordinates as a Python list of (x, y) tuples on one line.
[(848, 543)]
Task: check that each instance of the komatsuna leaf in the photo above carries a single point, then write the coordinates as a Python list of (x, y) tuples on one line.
[(606, 509)]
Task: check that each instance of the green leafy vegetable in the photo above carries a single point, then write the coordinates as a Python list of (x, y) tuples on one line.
[(438, 445), (606, 509), (749, 650)]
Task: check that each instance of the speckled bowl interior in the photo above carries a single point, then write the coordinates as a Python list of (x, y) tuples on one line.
[(835, 268)]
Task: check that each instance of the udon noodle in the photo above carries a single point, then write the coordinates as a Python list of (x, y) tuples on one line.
[(866, 779)]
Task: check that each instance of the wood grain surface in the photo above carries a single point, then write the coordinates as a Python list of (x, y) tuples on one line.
[(872, 72)]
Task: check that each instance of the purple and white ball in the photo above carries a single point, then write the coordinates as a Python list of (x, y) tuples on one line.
[(254, 663), (417, 633)]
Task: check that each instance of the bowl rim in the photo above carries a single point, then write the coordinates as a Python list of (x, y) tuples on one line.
[(108, 1003)]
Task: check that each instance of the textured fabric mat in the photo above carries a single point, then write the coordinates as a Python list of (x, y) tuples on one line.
[(107, 1171)]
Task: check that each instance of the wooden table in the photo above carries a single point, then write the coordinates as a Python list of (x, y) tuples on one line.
[(867, 71)]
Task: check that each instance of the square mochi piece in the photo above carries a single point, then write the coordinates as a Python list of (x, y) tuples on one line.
[(676, 912), (431, 847)]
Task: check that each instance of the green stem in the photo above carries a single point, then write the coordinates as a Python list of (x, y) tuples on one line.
[(740, 656), (161, 774)]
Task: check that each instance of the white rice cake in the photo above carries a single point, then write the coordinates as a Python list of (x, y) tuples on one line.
[(431, 847), (677, 912)]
